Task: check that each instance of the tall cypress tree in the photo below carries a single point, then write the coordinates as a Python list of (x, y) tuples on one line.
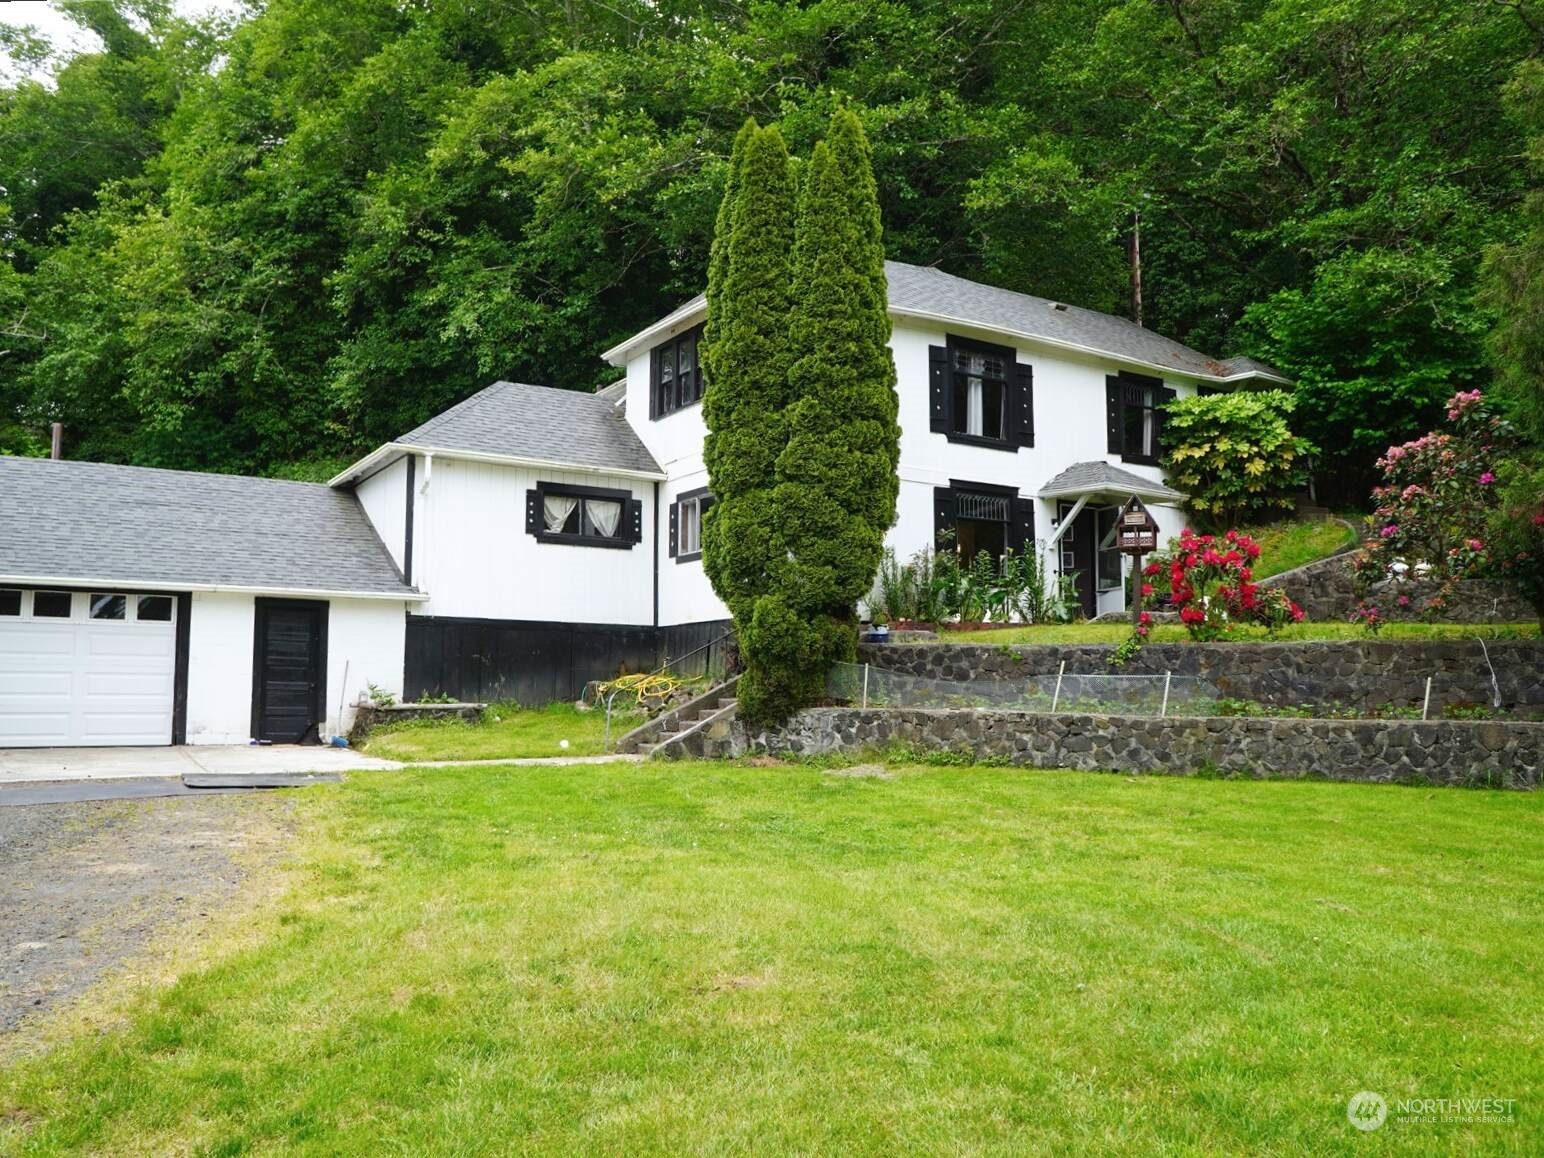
[(836, 476), (718, 252), (748, 360)]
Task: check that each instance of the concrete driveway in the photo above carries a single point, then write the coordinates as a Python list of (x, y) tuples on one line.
[(33, 765)]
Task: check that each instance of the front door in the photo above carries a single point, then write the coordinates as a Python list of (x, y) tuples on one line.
[(1077, 555), (288, 671)]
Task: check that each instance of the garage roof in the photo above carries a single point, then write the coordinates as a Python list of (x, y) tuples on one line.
[(84, 523)]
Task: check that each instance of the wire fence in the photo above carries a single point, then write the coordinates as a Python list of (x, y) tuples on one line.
[(863, 685)]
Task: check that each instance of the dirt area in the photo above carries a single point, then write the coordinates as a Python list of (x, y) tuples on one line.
[(85, 888)]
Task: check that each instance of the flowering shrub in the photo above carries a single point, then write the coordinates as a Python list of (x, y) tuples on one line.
[(1211, 581), (1369, 617), (1439, 495), (1212, 584)]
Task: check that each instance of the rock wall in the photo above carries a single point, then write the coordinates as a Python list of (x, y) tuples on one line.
[(1444, 752), (1326, 590), (1358, 674)]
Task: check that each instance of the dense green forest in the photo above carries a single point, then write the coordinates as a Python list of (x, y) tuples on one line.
[(265, 244)]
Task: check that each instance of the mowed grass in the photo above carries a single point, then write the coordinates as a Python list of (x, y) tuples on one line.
[(1060, 633), (1293, 543), (716, 958), (507, 731)]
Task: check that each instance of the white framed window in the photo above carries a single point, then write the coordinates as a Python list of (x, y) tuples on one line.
[(686, 517)]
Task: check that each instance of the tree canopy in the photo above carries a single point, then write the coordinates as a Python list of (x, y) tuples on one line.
[(266, 244)]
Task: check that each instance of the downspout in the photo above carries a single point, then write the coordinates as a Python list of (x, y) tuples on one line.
[(656, 555), (423, 526)]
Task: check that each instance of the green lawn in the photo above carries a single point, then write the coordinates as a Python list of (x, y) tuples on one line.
[(714, 958), (1176, 633), (1293, 543), (508, 731)]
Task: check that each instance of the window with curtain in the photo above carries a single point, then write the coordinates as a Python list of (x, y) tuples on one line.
[(583, 516), (979, 387)]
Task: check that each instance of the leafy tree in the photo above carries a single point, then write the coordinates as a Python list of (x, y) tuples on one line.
[(747, 388), (1234, 455)]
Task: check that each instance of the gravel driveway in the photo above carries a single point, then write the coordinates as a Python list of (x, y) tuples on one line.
[(84, 887)]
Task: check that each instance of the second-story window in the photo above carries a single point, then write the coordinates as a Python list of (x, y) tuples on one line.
[(686, 516), (1134, 416), (675, 374), (980, 394)]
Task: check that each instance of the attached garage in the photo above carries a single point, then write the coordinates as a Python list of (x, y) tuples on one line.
[(87, 668), (147, 607)]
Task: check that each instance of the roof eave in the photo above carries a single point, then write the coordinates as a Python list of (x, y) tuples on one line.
[(500, 459), (1058, 344), (622, 353), (407, 594)]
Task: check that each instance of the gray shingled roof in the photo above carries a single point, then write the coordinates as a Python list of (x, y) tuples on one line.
[(1089, 478), (919, 289), (166, 528), (916, 288), (514, 420)]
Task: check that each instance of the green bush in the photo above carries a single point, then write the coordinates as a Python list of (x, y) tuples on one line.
[(1234, 456)]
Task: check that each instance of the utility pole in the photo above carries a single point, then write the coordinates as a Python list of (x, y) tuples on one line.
[(1134, 251)]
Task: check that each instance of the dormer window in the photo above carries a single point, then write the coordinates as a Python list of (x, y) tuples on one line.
[(981, 395), (675, 374)]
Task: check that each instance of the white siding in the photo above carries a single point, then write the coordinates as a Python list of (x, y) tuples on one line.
[(1069, 404), (384, 498), (474, 558), (366, 635)]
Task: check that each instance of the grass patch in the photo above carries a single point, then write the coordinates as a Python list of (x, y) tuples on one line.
[(712, 958), (507, 731), (1176, 633), (1296, 542)]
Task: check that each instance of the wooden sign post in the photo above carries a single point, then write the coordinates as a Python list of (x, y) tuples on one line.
[(1136, 533)]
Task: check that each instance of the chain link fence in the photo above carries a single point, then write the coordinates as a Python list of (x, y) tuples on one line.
[(1127, 695)]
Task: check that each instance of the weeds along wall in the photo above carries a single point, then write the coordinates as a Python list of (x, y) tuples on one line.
[(1355, 674)]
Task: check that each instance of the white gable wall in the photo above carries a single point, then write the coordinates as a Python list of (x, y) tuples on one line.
[(384, 498), (474, 559)]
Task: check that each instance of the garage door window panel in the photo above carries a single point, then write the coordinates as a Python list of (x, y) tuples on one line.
[(10, 603), (109, 606), (52, 604), (154, 609)]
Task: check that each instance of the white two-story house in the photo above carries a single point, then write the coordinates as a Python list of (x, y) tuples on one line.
[(530, 539)]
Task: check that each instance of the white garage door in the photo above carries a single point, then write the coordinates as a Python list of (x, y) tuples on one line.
[(86, 668)]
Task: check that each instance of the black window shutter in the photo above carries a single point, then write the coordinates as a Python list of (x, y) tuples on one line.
[(533, 523), (1024, 407), (635, 520), (943, 515), (675, 509), (938, 389), (1165, 396), (1021, 533), (1112, 417)]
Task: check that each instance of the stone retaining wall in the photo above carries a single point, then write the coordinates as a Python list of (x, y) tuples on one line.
[(1326, 591), (1445, 752), (367, 716), (1360, 674)]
